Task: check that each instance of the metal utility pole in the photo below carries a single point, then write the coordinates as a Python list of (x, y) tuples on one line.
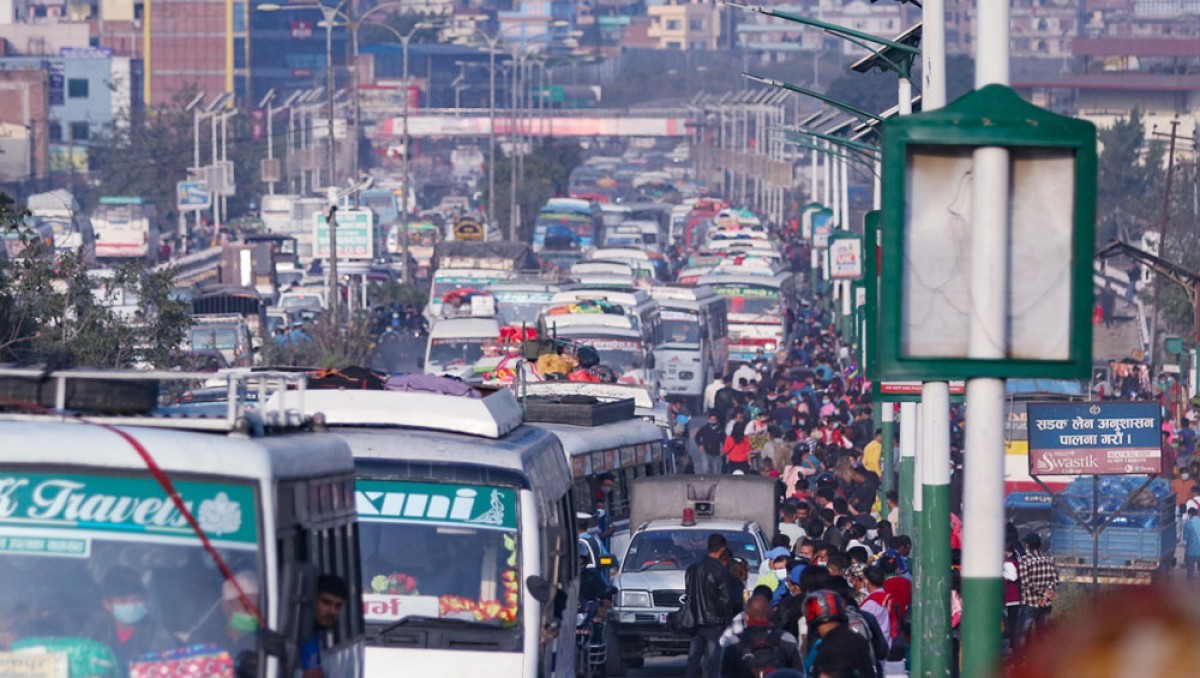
[(492, 132), (1162, 240), (512, 161), (404, 215), (983, 469)]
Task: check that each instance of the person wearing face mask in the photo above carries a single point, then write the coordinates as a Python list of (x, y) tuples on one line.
[(129, 631), (773, 578)]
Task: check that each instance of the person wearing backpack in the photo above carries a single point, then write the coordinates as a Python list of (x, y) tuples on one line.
[(760, 649), (862, 624), (833, 645), (880, 604)]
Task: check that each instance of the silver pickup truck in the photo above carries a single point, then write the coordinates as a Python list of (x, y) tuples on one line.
[(667, 540)]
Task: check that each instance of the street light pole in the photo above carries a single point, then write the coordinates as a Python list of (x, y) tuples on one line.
[(512, 161)]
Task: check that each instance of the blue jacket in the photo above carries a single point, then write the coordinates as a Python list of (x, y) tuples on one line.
[(1191, 537)]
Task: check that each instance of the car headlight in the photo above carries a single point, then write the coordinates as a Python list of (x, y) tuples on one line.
[(634, 599), (770, 346)]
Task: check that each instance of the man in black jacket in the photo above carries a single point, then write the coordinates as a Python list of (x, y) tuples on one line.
[(708, 599), (709, 440)]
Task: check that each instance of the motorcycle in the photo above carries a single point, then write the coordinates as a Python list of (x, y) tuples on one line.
[(591, 640)]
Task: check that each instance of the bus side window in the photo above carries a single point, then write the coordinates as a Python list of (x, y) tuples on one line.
[(583, 497), (622, 491)]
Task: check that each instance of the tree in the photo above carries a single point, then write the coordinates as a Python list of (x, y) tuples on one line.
[(1130, 176), (546, 175), (52, 311), (146, 155)]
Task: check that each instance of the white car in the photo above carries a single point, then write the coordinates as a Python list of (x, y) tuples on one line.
[(650, 582)]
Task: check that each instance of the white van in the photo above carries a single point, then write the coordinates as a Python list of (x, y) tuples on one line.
[(456, 344)]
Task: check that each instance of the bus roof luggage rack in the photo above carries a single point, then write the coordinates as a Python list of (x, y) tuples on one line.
[(135, 398), (577, 410), (602, 392), (494, 415)]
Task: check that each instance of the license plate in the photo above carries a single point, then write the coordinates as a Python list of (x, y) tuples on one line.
[(662, 617)]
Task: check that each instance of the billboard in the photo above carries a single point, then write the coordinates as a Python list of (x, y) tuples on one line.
[(845, 258), (354, 235), (1102, 438)]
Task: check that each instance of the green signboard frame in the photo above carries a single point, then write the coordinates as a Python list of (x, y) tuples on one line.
[(993, 116)]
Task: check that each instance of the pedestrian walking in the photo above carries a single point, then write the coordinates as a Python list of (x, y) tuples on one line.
[(1039, 580), (1191, 540), (707, 590), (710, 438)]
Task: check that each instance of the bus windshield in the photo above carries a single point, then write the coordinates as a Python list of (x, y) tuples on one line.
[(758, 301), (677, 549), (439, 550), (224, 338), (521, 307), (620, 354), (104, 569), (454, 351), (680, 331)]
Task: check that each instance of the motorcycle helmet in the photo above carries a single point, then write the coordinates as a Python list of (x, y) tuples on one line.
[(824, 606), (826, 479)]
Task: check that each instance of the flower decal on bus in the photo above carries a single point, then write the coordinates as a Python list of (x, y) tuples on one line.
[(219, 515)]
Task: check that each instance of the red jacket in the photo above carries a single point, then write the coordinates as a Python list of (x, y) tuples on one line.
[(736, 452)]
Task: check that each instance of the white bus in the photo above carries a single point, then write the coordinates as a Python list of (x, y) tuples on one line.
[(695, 345), (91, 544), (467, 522), (757, 312), (125, 229), (626, 450)]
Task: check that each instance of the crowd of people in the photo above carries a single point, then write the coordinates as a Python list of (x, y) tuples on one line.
[(835, 600)]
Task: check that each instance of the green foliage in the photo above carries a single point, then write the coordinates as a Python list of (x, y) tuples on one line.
[(546, 174), (147, 154), (324, 344), (1130, 180), (54, 312)]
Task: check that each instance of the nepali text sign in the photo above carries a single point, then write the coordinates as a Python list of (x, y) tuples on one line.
[(437, 504), (845, 258), (355, 235), (1094, 438)]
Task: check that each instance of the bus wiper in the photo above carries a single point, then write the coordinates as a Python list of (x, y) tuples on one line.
[(439, 621)]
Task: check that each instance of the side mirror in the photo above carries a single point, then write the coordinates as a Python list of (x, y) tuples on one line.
[(650, 361), (420, 362), (538, 587)]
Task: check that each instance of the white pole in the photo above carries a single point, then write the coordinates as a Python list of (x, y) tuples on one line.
[(983, 496), (933, 54), (908, 458), (827, 188), (918, 446), (845, 186), (812, 179)]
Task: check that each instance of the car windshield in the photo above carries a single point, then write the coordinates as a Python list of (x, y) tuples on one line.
[(300, 301), (439, 550), (219, 338), (681, 331), (447, 352), (677, 549), (86, 559)]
